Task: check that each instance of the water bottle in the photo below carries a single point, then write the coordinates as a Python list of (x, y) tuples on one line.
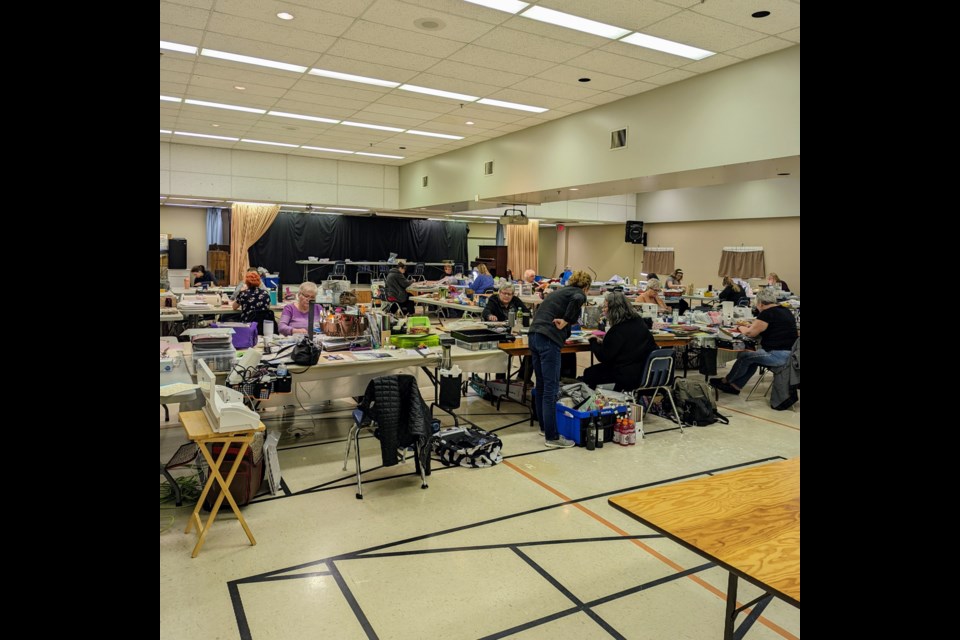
[(281, 370), (511, 319), (591, 435), (598, 432)]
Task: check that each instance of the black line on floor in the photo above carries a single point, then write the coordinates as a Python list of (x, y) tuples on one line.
[(291, 576), (504, 545), (243, 627), (352, 601), (649, 585), (548, 507)]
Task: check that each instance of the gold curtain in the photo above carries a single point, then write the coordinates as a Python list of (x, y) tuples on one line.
[(658, 260), (523, 247), (742, 262), (250, 222)]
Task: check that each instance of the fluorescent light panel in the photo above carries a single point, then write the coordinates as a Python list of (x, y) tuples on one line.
[(229, 107), (346, 209), (434, 135), (205, 135), (510, 6), (275, 144), (378, 155), (165, 131), (511, 105), (298, 116), (170, 99), (173, 46), (667, 46), (261, 62), (325, 149), (371, 126), (349, 77), (577, 23), (438, 92)]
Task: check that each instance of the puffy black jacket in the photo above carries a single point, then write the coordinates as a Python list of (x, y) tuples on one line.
[(395, 403)]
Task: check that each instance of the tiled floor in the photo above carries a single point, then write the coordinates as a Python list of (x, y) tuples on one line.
[(528, 549)]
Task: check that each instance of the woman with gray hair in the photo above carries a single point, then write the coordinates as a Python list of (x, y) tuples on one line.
[(293, 318), (623, 351), (779, 331), (499, 306)]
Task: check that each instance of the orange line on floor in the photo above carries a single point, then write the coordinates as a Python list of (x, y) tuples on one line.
[(656, 554), (782, 424)]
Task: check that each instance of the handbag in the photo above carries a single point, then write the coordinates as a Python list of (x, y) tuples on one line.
[(345, 326), (348, 299), (305, 352)]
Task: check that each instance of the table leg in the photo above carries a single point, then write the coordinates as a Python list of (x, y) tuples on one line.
[(729, 623), (215, 474)]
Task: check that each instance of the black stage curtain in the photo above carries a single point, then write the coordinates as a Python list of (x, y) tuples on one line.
[(296, 236)]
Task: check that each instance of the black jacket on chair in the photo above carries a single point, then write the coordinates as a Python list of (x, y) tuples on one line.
[(402, 416)]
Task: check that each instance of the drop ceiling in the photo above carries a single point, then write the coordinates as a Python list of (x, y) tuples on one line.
[(449, 45)]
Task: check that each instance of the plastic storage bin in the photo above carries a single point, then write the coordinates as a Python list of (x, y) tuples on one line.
[(476, 339), (572, 423), (413, 340)]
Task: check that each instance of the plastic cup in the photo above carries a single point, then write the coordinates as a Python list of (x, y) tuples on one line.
[(273, 297), (267, 328)]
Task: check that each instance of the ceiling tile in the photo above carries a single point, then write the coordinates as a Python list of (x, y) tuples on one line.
[(374, 54), (783, 14), (405, 16), (400, 39), (501, 60), (703, 31), (629, 14), (624, 66), (668, 77), (568, 74), (491, 77), (528, 44), (183, 16), (268, 32), (713, 62)]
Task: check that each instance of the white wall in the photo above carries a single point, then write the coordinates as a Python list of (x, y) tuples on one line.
[(230, 174), (742, 113), (189, 223), (775, 198)]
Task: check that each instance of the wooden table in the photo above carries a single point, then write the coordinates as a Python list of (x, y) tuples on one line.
[(746, 521), (198, 429)]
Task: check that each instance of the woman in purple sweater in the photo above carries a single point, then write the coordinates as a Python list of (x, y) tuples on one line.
[(293, 318)]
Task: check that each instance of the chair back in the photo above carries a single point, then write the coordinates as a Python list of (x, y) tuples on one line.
[(658, 371), (383, 268), (458, 268), (418, 270), (340, 268)]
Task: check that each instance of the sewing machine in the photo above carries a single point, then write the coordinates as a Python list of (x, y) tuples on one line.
[(224, 407)]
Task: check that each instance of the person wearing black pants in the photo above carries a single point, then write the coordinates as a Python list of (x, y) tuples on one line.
[(548, 331), (623, 351)]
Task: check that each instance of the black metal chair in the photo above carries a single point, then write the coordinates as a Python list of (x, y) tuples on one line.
[(367, 416), (658, 376), (339, 271)]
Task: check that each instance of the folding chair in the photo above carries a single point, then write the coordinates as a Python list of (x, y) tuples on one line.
[(418, 272), (367, 417), (339, 271), (363, 268), (658, 376)]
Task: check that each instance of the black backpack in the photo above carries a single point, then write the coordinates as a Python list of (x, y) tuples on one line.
[(695, 403)]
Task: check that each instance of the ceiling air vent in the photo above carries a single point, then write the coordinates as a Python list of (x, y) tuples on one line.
[(424, 181), (618, 139), (488, 168)]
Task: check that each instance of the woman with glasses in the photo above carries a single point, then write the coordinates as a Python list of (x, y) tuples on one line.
[(293, 318), (623, 351), (499, 306)]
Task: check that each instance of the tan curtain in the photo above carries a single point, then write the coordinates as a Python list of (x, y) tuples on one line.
[(250, 222), (742, 262), (523, 247), (658, 260)]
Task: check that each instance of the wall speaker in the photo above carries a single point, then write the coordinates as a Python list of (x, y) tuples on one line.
[(635, 233), (177, 258)]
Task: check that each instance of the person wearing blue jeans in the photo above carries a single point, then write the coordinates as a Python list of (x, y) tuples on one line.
[(779, 331), (548, 331)]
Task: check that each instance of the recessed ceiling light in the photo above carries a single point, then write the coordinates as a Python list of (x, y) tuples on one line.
[(283, 15), (584, 79), (574, 189), (760, 14), (239, 88), (214, 125), (469, 122)]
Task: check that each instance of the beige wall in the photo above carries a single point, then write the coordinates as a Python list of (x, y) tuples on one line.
[(697, 246), (547, 263), (189, 223)]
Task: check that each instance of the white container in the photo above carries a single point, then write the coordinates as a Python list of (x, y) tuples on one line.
[(267, 328)]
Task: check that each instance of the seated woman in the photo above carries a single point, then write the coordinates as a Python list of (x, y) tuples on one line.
[(483, 281), (201, 275), (623, 351), (732, 291), (774, 281), (499, 306), (293, 318), (652, 294), (675, 281), (253, 302)]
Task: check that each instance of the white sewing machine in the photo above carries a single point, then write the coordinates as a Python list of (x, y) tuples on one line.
[(224, 408)]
